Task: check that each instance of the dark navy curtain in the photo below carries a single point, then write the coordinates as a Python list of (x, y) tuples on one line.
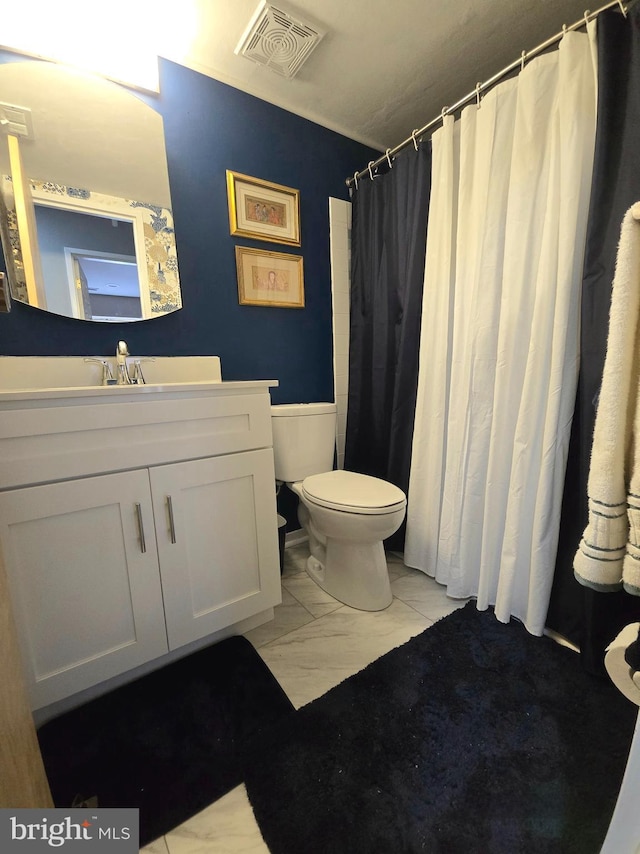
[(588, 618), (388, 244)]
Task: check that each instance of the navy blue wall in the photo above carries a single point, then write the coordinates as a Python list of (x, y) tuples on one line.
[(209, 128)]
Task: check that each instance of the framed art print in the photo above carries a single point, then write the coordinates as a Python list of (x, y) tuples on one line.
[(269, 278), (262, 210)]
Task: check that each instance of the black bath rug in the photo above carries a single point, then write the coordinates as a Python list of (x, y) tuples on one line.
[(473, 738), (168, 743)]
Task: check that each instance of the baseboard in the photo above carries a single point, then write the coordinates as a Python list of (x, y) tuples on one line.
[(295, 538)]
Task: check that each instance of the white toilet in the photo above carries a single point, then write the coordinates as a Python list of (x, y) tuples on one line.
[(346, 515)]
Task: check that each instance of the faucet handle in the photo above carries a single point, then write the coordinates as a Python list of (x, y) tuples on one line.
[(107, 373), (138, 376), (122, 349), (108, 376)]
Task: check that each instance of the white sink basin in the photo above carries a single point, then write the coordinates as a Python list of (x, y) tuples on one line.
[(60, 372)]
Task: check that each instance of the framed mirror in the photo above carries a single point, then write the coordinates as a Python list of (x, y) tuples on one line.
[(85, 209)]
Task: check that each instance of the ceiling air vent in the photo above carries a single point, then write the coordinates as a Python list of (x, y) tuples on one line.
[(278, 40)]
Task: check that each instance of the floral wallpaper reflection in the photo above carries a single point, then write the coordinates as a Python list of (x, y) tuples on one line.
[(155, 223)]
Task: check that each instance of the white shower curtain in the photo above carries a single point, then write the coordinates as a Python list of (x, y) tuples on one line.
[(499, 339)]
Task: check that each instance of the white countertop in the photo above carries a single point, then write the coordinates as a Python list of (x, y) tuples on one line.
[(103, 394)]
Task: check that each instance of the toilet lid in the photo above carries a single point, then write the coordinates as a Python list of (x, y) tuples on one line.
[(351, 492)]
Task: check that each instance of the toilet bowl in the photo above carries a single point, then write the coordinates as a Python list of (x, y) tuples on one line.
[(349, 515), (345, 515)]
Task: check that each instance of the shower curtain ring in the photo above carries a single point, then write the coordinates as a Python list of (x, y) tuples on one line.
[(355, 178), (478, 91), (623, 8), (369, 165), (444, 113), (587, 13), (523, 57), (388, 158), (413, 137)]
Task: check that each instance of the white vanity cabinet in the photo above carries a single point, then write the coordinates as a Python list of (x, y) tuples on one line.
[(86, 598), (177, 542), (214, 528)]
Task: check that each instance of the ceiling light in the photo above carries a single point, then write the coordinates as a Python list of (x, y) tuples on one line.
[(65, 31)]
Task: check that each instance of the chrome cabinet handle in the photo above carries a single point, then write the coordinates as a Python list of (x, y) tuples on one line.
[(143, 544), (172, 524)]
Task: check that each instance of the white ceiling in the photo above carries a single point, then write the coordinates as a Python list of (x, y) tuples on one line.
[(384, 67)]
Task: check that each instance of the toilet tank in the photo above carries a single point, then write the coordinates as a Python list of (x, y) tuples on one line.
[(304, 438)]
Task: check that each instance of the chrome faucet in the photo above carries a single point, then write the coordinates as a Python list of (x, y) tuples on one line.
[(125, 376), (122, 369)]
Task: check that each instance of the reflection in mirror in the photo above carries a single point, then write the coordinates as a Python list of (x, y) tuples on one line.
[(88, 265), (85, 189)]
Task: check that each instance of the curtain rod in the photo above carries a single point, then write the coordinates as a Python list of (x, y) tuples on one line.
[(480, 87)]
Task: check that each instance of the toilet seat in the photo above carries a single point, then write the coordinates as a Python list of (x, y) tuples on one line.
[(350, 492)]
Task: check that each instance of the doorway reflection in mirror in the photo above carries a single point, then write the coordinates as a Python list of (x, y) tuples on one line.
[(101, 258)]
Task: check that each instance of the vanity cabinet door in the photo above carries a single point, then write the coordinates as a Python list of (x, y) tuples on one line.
[(217, 541), (87, 597)]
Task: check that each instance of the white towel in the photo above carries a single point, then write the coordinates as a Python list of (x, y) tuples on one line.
[(608, 557)]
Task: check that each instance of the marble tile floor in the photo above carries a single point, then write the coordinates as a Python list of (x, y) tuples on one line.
[(313, 643)]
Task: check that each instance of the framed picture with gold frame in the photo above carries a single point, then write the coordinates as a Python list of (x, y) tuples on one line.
[(262, 210), (269, 278)]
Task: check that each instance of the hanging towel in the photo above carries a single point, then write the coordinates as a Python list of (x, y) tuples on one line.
[(608, 557)]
